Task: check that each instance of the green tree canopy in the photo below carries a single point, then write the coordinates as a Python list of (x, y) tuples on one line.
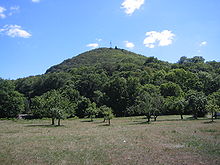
[(11, 101)]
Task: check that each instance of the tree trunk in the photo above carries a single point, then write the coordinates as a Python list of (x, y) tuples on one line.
[(148, 119), (212, 116), (104, 120), (109, 121), (181, 115), (215, 115), (53, 121), (195, 116), (155, 118), (58, 122)]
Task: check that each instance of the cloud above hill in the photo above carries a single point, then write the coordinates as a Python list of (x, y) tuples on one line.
[(203, 43), (93, 45), (15, 31), (131, 5), (129, 45), (155, 38)]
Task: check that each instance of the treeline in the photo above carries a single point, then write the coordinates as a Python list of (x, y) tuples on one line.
[(131, 85)]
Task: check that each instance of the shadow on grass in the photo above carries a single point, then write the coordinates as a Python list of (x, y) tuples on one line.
[(140, 122), (86, 121), (44, 125), (205, 120), (208, 122), (104, 125), (185, 119), (169, 120)]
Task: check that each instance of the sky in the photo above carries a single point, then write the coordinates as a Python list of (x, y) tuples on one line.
[(37, 34)]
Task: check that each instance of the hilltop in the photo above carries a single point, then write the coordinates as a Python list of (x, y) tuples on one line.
[(99, 56)]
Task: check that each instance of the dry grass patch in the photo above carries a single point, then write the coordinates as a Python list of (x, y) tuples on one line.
[(126, 141)]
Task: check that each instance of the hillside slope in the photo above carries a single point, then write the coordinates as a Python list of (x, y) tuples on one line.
[(99, 56)]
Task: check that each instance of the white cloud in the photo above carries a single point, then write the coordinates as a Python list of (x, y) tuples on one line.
[(14, 9), (98, 39), (2, 10), (154, 38), (15, 31), (204, 43), (93, 45), (129, 45), (35, 1), (131, 5)]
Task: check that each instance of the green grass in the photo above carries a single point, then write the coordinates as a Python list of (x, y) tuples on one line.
[(127, 141)]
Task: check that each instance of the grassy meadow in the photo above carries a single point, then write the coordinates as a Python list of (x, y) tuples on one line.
[(127, 141)]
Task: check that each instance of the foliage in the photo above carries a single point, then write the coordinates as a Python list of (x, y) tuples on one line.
[(11, 101), (119, 79), (170, 89), (196, 103), (179, 105), (53, 105), (92, 111), (107, 113), (143, 105), (82, 105), (213, 105)]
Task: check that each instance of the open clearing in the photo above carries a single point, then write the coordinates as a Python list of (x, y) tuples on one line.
[(127, 141)]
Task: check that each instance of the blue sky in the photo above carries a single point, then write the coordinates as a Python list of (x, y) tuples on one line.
[(36, 34)]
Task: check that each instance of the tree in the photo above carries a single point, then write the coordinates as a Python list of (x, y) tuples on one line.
[(157, 105), (38, 107), (116, 90), (143, 105), (92, 111), (133, 87), (197, 59), (107, 113), (57, 113), (99, 98), (206, 80), (213, 105), (183, 60), (159, 77), (170, 89), (82, 105), (212, 108), (11, 101), (53, 105), (196, 103), (179, 105), (185, 79)]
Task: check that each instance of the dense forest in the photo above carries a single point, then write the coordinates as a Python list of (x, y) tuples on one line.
[(107, 81)]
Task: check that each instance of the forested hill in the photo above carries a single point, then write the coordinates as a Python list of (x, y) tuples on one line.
[(100, 56), (127, 83)]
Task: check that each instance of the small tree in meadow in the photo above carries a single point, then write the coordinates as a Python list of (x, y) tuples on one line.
[(53, 105), (107, 113), (196, 103), (157, 105), (58, 114), (92, 111), (179, 105), (212, 105), (212, 108), (143, 106)]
